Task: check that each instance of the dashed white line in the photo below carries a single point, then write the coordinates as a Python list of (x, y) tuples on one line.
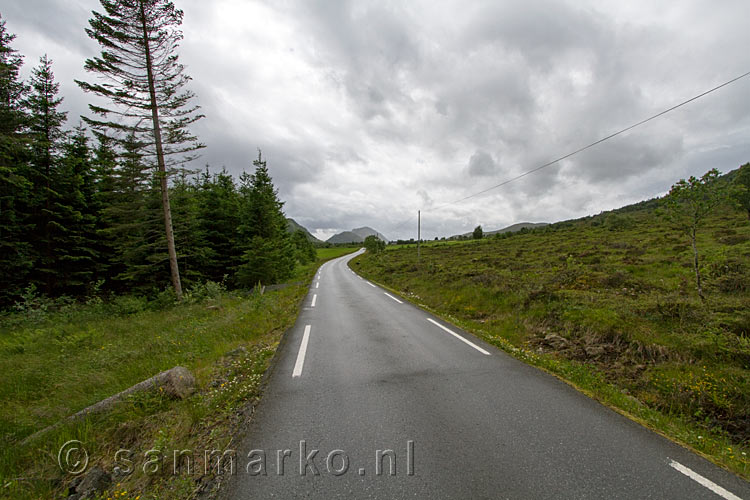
[(315, 298), (317, 284), (394, 298), (472, 344), (703, 481), (301, 354), (371, 284)]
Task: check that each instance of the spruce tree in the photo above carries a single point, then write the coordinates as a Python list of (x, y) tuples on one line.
[(45, 135), (16, 257), (132, 221), (268, 255), (218, 213), (73, 222), (143, 79)]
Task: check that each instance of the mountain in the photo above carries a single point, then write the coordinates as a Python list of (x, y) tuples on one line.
[(509, 229), (357, 235), (364, 232), (293, 226)]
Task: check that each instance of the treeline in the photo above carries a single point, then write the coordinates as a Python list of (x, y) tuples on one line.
[(81, 211)]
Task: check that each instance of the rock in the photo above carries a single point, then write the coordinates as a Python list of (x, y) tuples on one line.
[(92, 485), (179, 382)]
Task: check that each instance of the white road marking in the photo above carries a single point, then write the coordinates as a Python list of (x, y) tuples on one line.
[(371, 284), (394, 298), (703, 481), (301, 354), (317, 284), (472, 344), (360, 277), (315, 298)]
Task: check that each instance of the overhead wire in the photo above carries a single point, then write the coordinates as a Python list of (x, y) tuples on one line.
[(579, 150)]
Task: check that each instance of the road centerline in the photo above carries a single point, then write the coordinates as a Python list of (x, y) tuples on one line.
[(459, 337), (299, 364)]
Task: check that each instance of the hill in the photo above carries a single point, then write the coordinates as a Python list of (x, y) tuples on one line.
[(357, 235), (293, 226), (609, 302), (509, 229)]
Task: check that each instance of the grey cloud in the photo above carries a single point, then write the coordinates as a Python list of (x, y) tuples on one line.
[(377, 108), (481, 164)]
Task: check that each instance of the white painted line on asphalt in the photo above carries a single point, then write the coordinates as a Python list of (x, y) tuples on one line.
[(394, 298), (703, 481), (301, 354), (360, 277), (371, 284), (317, 284), (472, 344), (315, 298)]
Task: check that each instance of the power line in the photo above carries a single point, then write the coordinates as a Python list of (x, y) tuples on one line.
[(584, 148)]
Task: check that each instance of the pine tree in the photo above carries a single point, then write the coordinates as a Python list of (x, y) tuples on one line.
[(104, 164), (268, 255), (16, 258), (73, 223), (218, 213), (145, 82), (132, 222), (46, 134)]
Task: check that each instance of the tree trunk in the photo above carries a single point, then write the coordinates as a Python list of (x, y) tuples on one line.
[(173, 267), (695, 264)]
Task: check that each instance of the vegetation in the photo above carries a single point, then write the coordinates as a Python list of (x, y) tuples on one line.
[(84, 210), (226, 339), (689, 203), (374, 244), (477, 234), (145, 83), (608, 302)]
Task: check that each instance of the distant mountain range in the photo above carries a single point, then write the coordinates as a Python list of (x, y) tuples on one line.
[(293, 226), (509, 229), (357, 235)]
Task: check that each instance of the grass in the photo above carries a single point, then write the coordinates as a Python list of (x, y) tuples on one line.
[(608, 303), (334, 252), (53, 364)]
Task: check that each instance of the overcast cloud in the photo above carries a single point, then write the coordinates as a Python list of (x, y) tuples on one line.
[(369, 111)]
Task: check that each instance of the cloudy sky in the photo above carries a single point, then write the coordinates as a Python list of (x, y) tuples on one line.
[(369, 111)]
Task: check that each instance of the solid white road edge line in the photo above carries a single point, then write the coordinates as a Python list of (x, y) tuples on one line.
[(394, 298), (703, 481), (301, 354), (315, 299), (459, 337), (371, 284)]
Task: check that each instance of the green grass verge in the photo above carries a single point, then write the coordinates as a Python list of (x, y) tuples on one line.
[(55, 364), (608, 304), (334, 252)]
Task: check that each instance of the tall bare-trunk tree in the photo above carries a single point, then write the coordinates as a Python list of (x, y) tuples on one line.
[(141, 77)]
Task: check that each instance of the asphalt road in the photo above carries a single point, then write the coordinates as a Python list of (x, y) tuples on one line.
[(372, 383)]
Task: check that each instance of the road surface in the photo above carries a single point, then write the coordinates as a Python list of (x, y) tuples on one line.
[(399, 404)]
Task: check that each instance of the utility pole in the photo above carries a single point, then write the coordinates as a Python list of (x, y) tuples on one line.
[(419, 231)]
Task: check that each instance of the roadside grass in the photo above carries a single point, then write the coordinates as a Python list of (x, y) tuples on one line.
[(608, 303), (53, 364), (334, 252)]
